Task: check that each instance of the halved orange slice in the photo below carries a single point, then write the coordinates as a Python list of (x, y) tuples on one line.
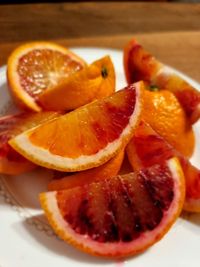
[(35, 67), (119, 216), (93, 82), (86, 137)]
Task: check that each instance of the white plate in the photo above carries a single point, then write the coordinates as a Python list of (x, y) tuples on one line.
[(26, 239)]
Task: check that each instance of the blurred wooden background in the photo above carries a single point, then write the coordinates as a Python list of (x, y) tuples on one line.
[(170, 30), (73, 20)]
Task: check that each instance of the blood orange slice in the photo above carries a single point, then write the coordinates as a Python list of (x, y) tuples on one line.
[(147, 148), (108, 169), (10, 161), (141, 65), (86, 137), (34, 67), (119, 216)]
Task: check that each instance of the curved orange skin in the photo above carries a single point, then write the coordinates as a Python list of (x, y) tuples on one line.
[(93, 82), (11, 162), (147, 148), (166, 116), (66, 197), (48, 70), (141, 65), (108, 169)]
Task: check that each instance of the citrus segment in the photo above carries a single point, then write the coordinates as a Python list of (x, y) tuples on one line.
[(166, 116), (93, 82), (12, 162), (119, 216), (35, 67), (108, 169), (147, 148), (141, 65), (86, 137)]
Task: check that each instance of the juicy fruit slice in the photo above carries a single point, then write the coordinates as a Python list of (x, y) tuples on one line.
[(141, 65), (12, 162), (93, 82), (108, 169), (167, 117), (86, 137), (119, 216), (147, 148), (34, 67)]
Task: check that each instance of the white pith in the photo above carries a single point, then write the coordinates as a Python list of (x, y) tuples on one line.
[(145, 238), (42, 156)]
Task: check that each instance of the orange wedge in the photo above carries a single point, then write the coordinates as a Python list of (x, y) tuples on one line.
[(35, 67), (120, 216), (93, 82), (86, 137)]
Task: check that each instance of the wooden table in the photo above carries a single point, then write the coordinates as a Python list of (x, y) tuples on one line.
[(171, 31)]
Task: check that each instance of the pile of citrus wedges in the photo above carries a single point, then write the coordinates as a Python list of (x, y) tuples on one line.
[(74, 123)]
